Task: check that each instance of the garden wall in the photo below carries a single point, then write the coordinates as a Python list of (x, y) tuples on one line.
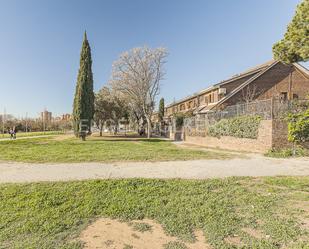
[(271, 134)]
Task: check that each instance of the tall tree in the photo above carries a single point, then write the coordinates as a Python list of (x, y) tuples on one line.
[(103, 108), (161, 109), (109, 108), (137, 74), (83, 107), (294, 46)]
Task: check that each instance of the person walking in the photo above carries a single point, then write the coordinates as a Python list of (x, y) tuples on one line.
[(14, 133), (11, 133)]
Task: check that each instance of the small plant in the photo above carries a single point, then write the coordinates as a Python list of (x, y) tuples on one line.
[(141, 227), (127, 246), (175, 245), (108, 242)]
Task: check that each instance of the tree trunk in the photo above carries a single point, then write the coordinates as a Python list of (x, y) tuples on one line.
[(148, 128), (101, 128), (83, 136)]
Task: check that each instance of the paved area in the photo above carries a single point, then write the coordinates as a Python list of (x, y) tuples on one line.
[(256, 165)]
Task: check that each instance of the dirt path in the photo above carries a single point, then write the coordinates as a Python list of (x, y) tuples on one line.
[(256, 165), (29, 137)]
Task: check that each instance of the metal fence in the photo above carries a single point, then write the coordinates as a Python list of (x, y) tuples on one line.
[(266, 109)]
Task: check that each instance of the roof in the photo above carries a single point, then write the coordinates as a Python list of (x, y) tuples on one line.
[(182, 100), (247, 82), (255, 72), (302, 69), (248, 72)]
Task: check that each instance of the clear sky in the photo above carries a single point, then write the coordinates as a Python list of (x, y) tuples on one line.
[(207, 40)]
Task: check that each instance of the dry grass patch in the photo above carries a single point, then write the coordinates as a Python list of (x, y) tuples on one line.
[(110, 233)]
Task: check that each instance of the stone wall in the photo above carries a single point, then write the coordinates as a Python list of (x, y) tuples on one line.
[(262, 144)]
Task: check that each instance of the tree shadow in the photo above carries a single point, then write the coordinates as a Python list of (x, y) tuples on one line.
[(122, 138)]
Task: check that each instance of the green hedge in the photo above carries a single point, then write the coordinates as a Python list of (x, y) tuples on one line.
[(242, 127), (298, 127)]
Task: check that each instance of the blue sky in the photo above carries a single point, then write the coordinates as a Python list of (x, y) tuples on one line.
[(208, 41)]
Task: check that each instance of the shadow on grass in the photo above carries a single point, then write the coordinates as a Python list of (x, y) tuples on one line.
[(108, 139)]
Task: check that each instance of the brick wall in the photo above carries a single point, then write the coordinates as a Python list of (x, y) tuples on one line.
[(262, 144), (272, 134)]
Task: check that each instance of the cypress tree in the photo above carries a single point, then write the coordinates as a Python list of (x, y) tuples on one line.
[(83, 107), (161, 109)]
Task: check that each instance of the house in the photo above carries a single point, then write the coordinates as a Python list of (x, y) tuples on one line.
[(272, 79)]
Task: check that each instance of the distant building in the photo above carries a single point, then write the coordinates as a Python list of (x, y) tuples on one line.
[(63, 117), (66, 117), (46, 116)]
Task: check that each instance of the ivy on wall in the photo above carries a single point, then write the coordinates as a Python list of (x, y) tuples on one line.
[(241, 127)]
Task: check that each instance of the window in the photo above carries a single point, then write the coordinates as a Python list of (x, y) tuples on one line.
[(295, 96), (189, 105)]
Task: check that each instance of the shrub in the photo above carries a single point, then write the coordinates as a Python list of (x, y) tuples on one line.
[(298, 127), (179, 118), (242, 127)]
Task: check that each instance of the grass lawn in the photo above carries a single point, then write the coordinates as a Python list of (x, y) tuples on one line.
[(31, 134), (286, 153), (97, 149), (51, 215)]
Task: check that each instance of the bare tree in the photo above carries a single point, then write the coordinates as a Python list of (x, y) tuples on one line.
[(249, 93), (137, 75)]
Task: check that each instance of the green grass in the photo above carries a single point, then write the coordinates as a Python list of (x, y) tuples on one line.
[(51, 215), (128, 247), (141, 227), (43, 150), (31, 134), (287, 152)]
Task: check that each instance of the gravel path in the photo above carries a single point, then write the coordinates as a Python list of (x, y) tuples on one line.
[(199, 169)]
